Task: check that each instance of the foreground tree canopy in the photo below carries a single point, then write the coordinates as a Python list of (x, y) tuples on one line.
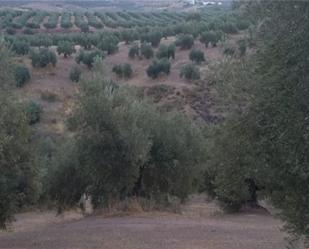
[(123, 146), (18, 174), (263, 144)]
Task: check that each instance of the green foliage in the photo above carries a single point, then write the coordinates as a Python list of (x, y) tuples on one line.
[(243, 24), (20, 47), (80, 22), (263, 143), (185, 41), (123, 70), (171, 51), (48, 96), (22, 75), (127, 36), (146, 51), (242, 47), (162, 52), (66, 48), (166, 51), (194, 17), (210, 37), (36, 20), (43, 57), (84, 27), (229, 28), (134, 51), (93, 21), (123, 146), (197, 55), (229, 51), (18, 173), (66, 20), (75, 73), (28, 31), (153, 37), (190, 72), (109, 44), (52, 21), (33, 112), (157, 67), (11, 31), (88, 58)]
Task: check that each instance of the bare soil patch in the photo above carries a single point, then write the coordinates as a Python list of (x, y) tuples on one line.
[(146, 231), (51, 81)]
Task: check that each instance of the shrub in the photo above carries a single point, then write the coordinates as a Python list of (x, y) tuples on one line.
[(162, 52), (20, 47), (242, 47), (66, 21), (123, 70), (84, 27), (22, 75), (171, 51), (229, 28), (146, 51), (197, 55), (11, 31), (185, 41), (33, 112), (52, 21), (127, 70), (230, 51), (190, 72), (66, 48), (134, 51), (28, 31), (127, 36), (210, 37), (154, 38), (242, 24), (75, 73), (109, 44), (43, 57), (93, 21), (88, 58), (157, 67)]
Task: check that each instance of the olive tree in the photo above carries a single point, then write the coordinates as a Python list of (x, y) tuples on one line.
[(66, 48), (18, 178), (197, 55)]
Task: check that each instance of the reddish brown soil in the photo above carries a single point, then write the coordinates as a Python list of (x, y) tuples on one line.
[(139, 66), (145, 231), (51, 80), (55, 80)]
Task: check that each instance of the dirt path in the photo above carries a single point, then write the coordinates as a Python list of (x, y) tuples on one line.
[(146, 231)]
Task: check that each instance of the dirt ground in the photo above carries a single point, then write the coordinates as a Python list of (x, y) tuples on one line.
[(254, 230), (139, 66), (183, 94)]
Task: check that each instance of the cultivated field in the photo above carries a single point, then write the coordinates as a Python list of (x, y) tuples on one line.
[(170, 59)]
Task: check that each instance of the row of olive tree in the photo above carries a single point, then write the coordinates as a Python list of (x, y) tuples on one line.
[(123, 146)]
